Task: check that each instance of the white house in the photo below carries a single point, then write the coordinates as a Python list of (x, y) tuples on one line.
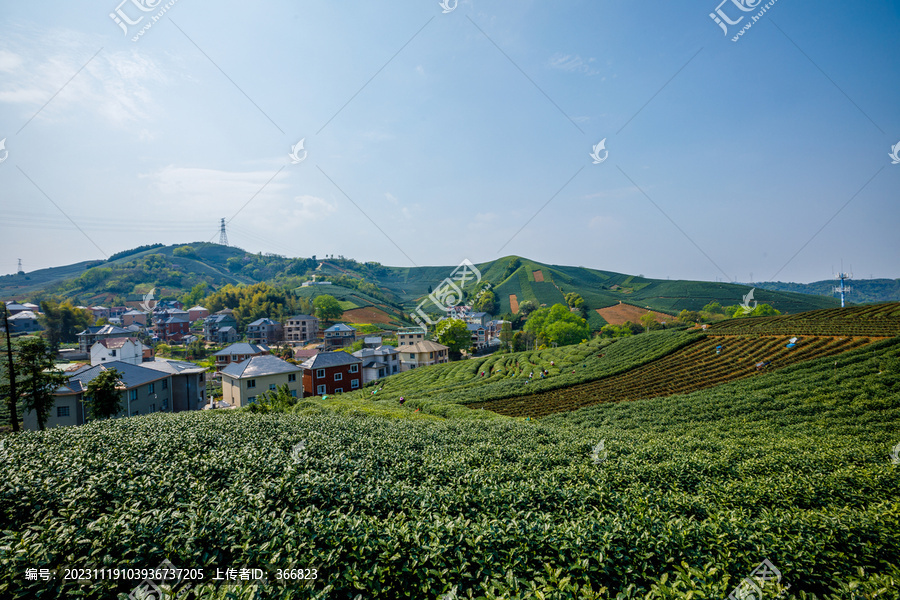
[(122, 349), (378, 362)]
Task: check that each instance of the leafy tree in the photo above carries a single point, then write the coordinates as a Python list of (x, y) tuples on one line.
[(714, 308), (761, 310), (511, 267), (506, 335), (689, 316), (277, 400), (62, 322), (104, 398), (556, 324), (328, 308), (647, 320), (454, 334), (193, 298), (39, 379), (487, 302), (574, 300), (526, 307)]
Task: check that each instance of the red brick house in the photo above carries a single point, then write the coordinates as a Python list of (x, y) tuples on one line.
[(331, 373), (172, 329)]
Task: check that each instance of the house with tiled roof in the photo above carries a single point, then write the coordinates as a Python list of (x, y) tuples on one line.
[(264, 331), (379, 362), (339, 335), (421, 354), (124, 349), (214, 325), (239, 352), (134, 316), (188, 387), (197, 312), (94, 333), (23, 322), (143, 391), (331, 373), (244, 382)]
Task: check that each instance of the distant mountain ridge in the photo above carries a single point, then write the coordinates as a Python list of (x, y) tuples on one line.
[(173, 270), (863, 290)]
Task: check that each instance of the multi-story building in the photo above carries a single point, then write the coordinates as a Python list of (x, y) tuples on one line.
[(410, 335), (331, 373), (379, 362), (339, 336), (244, 382), (301, 329), (264, 331), (421, 354), (236, 353)]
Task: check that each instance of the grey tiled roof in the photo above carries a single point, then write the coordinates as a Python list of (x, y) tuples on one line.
[(241, 348), (258, 366), (323, 360)]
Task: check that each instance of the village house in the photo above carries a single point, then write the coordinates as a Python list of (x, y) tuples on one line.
[(197, 312), (143, 391), (132, 317), (301, 329), (264, 331), (23, 322), (214, 327), (331, 373), (410, 335), (122, 349), (339, 336), (94, 333), (421, 354), (240, 352), (188, 387), (379, 362), (172, 329), (244, 382)]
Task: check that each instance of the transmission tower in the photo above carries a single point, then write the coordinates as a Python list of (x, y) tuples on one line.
[(223, 237), (843, 289), (20, 270)]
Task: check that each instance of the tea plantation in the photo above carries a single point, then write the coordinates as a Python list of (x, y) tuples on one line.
[(677, 497)]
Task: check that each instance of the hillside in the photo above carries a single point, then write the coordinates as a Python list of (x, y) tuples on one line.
[(864, 290), (173, 270)]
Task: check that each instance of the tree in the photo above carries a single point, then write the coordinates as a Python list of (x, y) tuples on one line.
[(62, 322), (39, 379), (714, 308), (506, 335), (328, 308), (193, 298), (574, 300), (103, 396), (454, 334), (689, 316), (487, 302), (647, 320), (12, 393), (556, 324)]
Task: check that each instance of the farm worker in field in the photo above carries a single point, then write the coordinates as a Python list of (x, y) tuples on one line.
[(552, 363), (402, 399)]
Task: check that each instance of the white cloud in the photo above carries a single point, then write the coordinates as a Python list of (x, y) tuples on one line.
[(312, 208), (115, 86)]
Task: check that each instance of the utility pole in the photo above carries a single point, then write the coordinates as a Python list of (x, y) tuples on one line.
[(13, 395)]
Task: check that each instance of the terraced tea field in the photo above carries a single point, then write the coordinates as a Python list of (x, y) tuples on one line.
[(711, 361), (880, 320)]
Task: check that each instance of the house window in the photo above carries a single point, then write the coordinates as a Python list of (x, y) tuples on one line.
[(150, 388), (132, 394), (412, 356), (251, 399), (251, 383), (354, 368), (338, 376), (320, 373), (293, 393), (152, 408), (271, 386), (320, 390), (339, 391), (62, 411), (354, 384), (292, 377), (165, 384), (112, 352), (431, 355)]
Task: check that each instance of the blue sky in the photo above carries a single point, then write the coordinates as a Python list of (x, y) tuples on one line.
[(433, 137)]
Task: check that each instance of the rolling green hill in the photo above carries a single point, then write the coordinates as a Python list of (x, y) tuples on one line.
[(173, 270)]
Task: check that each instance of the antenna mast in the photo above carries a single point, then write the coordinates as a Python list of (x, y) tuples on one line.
[(843, 289), (223, 237)]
